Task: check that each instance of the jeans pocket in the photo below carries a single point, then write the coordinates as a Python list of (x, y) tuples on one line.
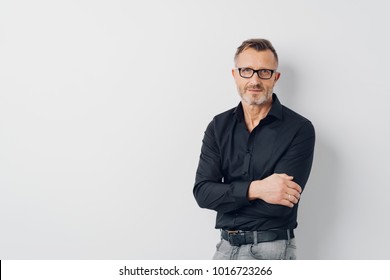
[(223, 251), (274, 250), (291, 250), (219, 244)]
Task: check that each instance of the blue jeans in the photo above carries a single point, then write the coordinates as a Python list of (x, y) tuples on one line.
[(274, 250)]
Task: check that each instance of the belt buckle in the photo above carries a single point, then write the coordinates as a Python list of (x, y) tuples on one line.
[(232, 237)]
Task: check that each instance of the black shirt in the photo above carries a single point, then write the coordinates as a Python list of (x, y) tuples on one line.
[(231, 158)]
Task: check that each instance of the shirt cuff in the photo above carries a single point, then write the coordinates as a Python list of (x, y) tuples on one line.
[(240, 192)]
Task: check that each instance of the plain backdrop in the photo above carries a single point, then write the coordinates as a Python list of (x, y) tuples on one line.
[(103, 106)]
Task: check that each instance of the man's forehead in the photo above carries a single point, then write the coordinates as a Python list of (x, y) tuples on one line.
[(253, 56)]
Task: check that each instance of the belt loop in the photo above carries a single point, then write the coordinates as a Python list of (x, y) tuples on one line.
[(288, 235), (255, 237)]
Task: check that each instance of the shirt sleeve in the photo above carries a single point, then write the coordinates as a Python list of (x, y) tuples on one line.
[(298, 159), (210, 192), (297, 162)]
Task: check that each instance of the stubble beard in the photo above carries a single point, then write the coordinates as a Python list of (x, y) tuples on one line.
[(258, 99)]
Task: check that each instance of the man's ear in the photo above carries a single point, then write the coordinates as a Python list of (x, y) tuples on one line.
[(277, 76)]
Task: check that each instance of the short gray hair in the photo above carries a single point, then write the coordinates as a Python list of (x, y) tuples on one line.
[(258, 45)]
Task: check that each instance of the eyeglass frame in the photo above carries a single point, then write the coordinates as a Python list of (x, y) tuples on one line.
[(255, 71)]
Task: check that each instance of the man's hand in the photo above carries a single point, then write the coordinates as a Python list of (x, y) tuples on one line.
[(276, 189)]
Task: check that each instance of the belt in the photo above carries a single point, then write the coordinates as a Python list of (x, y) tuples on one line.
[(238, 237)]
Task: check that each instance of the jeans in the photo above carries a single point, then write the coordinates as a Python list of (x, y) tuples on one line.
[(274, 250)]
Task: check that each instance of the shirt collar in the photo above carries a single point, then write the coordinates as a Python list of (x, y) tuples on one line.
[(276, 109)]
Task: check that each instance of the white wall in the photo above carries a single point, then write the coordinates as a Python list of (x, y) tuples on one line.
[(103, 105)]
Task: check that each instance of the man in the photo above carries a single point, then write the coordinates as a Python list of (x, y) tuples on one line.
[(255, 161)]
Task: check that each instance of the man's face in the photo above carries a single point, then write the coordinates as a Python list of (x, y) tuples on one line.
[(255, 91)]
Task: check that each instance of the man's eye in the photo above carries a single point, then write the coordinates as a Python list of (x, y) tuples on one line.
[(246, 70), (265, 71)]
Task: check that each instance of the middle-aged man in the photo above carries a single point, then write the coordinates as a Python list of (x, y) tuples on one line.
[(255, 161)]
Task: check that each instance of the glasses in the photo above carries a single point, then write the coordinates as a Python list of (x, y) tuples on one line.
[(264, 74)]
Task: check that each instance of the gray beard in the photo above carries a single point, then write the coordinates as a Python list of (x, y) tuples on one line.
[(250, 101)]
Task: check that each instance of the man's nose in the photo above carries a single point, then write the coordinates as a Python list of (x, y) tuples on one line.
[(255, 80)]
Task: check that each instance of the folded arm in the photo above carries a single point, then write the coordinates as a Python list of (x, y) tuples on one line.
[(274, 195)]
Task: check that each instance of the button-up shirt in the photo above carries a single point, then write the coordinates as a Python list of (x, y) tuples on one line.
[(232, 157)]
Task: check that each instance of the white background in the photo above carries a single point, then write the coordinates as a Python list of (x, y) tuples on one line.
[(103, 105), (190, 269)]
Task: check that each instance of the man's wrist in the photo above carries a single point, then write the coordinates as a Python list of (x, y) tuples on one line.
[(253, 190)]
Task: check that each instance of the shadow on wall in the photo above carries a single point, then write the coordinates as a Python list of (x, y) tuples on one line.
[(320, 206)]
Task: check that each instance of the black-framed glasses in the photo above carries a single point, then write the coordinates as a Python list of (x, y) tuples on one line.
[(264, 74)]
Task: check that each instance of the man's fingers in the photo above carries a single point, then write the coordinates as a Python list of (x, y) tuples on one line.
[(288, 203), (294, 186), (290, 183), (292, 198)]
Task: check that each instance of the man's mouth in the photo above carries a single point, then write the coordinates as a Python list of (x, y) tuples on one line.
[(254, 89)]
